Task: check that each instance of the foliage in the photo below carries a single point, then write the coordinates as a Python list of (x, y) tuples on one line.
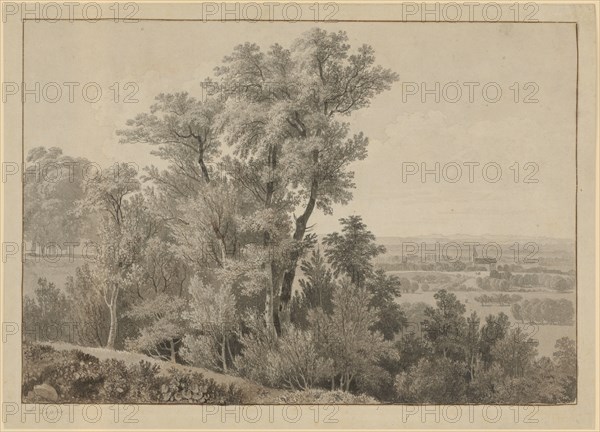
[(52, 182), (434, 381), (324, 397), (565, 358), (44, 315), (544, 311), (494, 329), (345, 336), (384, 290), (445, 325), (87, 308), (506, 281), (316, 289), (161, 326), (500, 299), (83, 378), (212, 319), (292, 361), (517, 352), (193, 388), (351, 252)]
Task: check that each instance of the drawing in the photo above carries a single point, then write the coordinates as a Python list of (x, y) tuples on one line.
[(341, 213)]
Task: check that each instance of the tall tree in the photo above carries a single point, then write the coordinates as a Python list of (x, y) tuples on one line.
[(351, 252), (284, 119)]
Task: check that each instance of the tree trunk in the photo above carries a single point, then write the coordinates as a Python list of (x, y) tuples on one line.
[(224, 354), (173, 352), (204, 170), (272, 316), (112, 333), (271, 312), (290, 273)]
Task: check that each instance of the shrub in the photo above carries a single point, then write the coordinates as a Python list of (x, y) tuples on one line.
[(36, 359), (291, 362), (441, 382), (194, 388), (82, 378), (298, 363), (324, 397), (76, 376), (144, 382)]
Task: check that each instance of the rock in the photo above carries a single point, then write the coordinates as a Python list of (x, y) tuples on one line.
[(46, 392)]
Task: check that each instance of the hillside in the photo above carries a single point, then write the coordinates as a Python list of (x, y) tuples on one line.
[(254, 393)]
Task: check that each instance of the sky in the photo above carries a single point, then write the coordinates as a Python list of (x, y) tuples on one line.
[(531, 144)]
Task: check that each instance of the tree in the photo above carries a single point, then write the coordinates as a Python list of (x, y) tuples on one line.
[(162, 326), (319, 283), (516, 311), (411, 349), (316, 289), (495, 328), (565, 358), (439, 381), (52, 183), (183, 130), (445, 325), (515, 353), (284, 119), (87, 307), (123, 230), (290, 147), (44, 314), (212, 317), (351, 252), (164, 272), (345, 335), (472, 344), (384, 290)]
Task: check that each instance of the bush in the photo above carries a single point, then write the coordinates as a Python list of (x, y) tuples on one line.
[(82, 378), (194, 388), (439, 381), (75, 376), (44, 314), (324, 397), (144, 382), (36, 359), (291, 362), (203, 351)]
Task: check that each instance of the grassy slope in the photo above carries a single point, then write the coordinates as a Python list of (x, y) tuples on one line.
[(254, 393)]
